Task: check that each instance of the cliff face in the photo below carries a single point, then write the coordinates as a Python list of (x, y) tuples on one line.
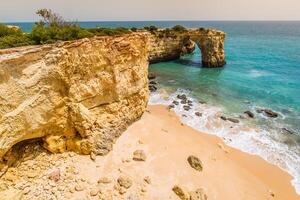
[(170, 45), (81, 95), (75, 95)]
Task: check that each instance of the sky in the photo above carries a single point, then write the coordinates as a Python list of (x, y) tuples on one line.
[(142, 10)]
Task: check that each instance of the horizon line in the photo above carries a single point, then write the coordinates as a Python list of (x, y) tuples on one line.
[(162, 21)]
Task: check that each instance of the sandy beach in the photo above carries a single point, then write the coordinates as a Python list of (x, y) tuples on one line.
[(167, 143)]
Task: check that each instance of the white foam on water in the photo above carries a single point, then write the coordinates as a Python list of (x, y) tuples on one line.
[(253, 140)]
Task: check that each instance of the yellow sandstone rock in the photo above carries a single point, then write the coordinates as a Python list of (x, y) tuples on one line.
[(78, 95)]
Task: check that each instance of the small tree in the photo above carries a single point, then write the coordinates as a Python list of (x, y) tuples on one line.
[(179, 28), (50, 18)]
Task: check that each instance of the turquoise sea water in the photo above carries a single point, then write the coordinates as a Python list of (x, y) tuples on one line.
[(262, 71)]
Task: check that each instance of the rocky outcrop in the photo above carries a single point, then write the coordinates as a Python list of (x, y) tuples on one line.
[(76, 95), (168, 45)]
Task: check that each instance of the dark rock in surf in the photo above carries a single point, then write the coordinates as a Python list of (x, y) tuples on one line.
[(288, 131), (175, 103), (183, 101), (153, 82), (202, 102), (152, 88), (249, 114), (223, 118), (270, 113), (198, 114), (171, 106), (187, 108), (236, 121), (182, 97)]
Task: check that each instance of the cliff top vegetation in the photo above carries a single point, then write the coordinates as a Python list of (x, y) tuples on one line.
[(53, 28)]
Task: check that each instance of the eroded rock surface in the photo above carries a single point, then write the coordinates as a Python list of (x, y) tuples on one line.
[(170, 45), (76, 95)]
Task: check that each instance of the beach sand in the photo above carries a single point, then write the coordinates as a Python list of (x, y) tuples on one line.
[(228, 174)]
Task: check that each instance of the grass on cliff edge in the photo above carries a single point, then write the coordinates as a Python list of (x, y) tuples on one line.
[(42, 34), (53, 28)]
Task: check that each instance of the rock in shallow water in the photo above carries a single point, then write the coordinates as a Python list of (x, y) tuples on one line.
[(236, 121), (249, 114)]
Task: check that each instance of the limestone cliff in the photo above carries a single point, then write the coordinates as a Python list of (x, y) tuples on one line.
[(77, 95), (168, 45)]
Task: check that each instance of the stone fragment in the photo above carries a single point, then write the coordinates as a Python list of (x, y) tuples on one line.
[(198, 195), (79, 187), (93, 156), (55, 175), (139, 155), (104, 180), (195, 163), (181, 192), (94, 191), (124, 181), (147, 179)]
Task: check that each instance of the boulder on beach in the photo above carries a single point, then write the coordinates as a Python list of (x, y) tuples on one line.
[(198, 195), (139, 155), (195, 163), (181, 192)]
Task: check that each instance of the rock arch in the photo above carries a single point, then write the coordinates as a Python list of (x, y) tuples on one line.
[(210, 41), (211, 44)]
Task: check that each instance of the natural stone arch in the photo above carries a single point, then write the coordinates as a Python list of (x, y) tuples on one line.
[(211, 44)]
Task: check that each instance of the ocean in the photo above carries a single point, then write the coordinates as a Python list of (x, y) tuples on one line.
[(262, 71)]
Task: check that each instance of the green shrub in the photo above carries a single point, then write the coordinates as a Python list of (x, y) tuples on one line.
[(134, 29), (10, 41), (152, 29), (5, 31), (108, 31), (179, 28), (42, 34)]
